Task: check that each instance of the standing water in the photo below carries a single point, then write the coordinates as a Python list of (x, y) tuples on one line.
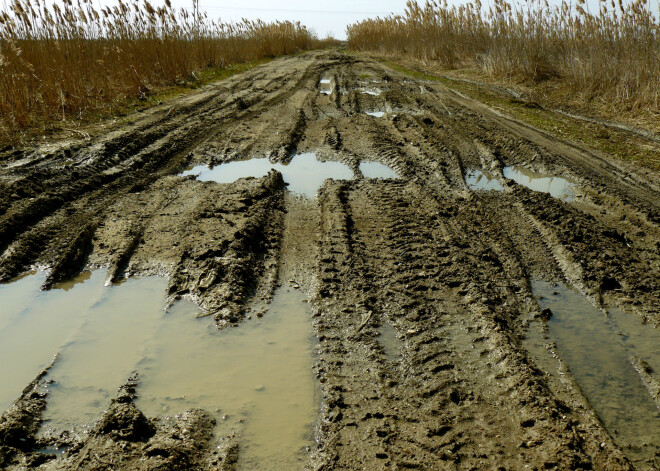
[(376, 170), (257, 377), (35, 324), (103, 351), (557, 187), (591, 345), (479, 180), (304, 174), (325, 86)]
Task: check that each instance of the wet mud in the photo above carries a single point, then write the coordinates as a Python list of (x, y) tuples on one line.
[(419, 280)]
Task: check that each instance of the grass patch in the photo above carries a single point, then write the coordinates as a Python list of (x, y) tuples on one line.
[(617, 143)]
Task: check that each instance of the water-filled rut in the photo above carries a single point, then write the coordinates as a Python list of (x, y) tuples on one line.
[(256, 380)]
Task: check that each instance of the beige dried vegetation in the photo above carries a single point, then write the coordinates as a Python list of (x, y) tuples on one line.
[(611, 57), (70, 60)]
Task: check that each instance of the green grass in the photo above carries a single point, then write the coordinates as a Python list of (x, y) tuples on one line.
[(616, 143)]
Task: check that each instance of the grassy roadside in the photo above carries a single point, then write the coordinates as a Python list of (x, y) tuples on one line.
[(622, 144), (123, 112)]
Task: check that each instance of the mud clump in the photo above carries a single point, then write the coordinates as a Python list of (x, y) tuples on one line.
[(19, 426), (122, 438)]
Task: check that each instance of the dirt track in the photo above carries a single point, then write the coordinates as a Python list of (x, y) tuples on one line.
[(447, 267)]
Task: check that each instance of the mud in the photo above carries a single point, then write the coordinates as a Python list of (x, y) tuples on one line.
[(447, 266)]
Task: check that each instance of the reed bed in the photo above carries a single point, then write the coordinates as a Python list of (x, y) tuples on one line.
[(70, 60), (611, 56)]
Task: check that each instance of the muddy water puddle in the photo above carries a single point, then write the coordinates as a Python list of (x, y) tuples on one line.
[(104, 350), (377, 170), (371, 91), (304, 174), (556, 187), (479, 180), (389, 340), (325, 86), (256, 379), (598, 349), (35, 325)]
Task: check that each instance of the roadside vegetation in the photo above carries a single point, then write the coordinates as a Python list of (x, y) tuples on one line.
[(607, 61), (73, 61)]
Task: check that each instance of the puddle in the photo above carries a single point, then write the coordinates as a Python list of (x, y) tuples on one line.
[(261, 376), (390, 342), (304, 174), (69, 284), (104, 350), (371, 91), (377, 114), (377, 170), (597, 349), (479, 180), (325, 86), (35, 324), (557, 187), (256, 379), (52, 450)]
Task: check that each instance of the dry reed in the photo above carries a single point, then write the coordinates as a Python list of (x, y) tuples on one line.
[(70, 60), (612, 56)]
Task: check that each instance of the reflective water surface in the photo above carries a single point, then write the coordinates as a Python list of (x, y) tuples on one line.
[(371, 91), (35, 325), (257, 379), (325, 86), (479, 180), (390, 342), (557, 187), (597, 348), (103, 352), (304, 174), (377, 170)]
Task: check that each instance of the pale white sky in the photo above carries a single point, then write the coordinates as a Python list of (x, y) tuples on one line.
[(322, 17)]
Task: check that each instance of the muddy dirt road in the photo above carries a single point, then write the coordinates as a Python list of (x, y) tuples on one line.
[(433, 347)]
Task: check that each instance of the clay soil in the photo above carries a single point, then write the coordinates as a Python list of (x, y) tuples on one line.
[(447, 267)]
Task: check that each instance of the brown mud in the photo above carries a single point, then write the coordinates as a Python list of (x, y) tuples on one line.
[(420, 286)]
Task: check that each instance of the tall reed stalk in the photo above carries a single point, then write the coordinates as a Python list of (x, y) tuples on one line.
[(71, 59), (612, 55)]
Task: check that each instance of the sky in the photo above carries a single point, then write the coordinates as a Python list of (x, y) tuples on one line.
[(324, 18)]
